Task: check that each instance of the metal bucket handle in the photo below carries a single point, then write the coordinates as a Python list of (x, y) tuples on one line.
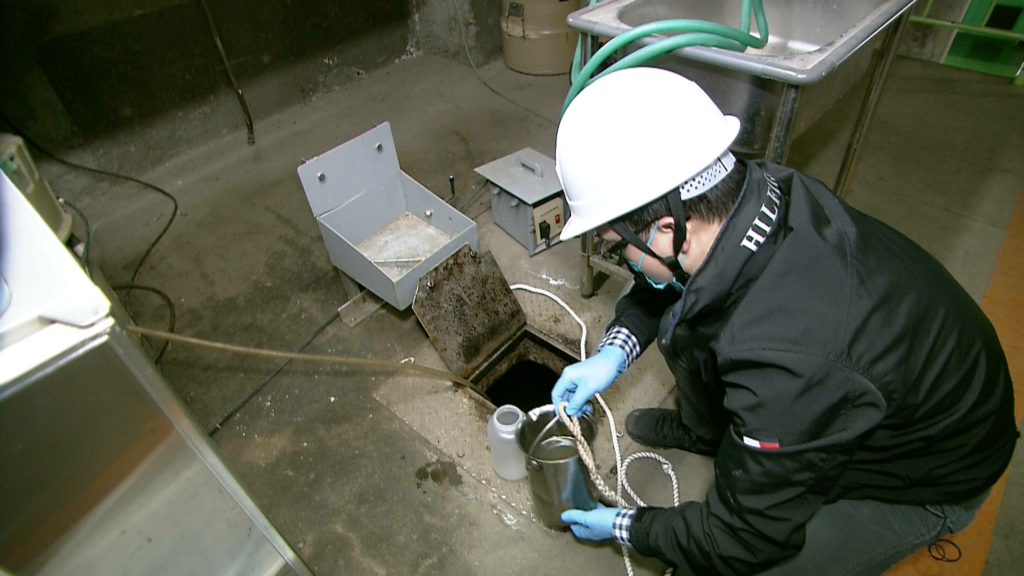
[(543, 431), (531, 462)]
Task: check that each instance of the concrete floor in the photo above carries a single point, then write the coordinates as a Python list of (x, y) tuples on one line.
[(345, 480)]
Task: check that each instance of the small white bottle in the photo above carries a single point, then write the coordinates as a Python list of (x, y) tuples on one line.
[(506, 456)]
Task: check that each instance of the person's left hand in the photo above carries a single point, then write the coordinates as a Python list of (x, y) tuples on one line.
[(593, 525)]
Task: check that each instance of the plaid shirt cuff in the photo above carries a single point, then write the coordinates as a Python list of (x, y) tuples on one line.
[(623, 339), (620, 526)]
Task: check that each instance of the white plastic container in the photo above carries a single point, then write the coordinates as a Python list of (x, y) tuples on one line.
[(506, 456)]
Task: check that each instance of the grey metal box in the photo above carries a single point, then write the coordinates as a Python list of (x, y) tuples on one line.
[(526, 198), (381, 227)]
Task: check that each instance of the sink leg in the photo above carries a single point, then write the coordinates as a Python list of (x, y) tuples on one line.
[(889, 49), (586, 269), (588, 46), (778, 143)]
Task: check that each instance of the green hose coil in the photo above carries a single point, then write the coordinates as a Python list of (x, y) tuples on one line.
[(693, 33)]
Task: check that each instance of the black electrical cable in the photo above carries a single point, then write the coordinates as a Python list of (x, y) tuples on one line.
[(250, 134), (152, 245), (171, 316), (88, 233), (132, 286), (100, 172), (473, 197), (223, 420), (465, 45)]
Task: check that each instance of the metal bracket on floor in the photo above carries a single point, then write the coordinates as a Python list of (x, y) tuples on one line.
[(359, 308), (362, 303)]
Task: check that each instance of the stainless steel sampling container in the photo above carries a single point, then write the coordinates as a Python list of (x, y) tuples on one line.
[(558, 480)]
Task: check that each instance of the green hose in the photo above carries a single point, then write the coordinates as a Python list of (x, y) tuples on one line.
[(695, 33)]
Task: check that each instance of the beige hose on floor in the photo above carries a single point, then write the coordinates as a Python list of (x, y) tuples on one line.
[(300, 356)]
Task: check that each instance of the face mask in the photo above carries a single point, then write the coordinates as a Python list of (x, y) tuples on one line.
[(638, 268)]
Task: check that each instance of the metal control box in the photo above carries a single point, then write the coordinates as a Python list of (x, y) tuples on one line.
[(526, 198)]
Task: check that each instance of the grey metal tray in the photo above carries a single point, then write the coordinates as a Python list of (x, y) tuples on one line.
[(381, 227)]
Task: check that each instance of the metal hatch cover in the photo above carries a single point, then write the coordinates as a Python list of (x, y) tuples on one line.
[(468, 310)]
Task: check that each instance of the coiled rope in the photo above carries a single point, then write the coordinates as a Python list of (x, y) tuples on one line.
[(587, 455)]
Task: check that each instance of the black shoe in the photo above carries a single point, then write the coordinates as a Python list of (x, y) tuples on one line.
[(664, 428)]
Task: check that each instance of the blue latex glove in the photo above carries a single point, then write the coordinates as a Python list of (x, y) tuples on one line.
[(579, 382), (594, 525)]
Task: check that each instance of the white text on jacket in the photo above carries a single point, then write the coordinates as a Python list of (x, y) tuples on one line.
[(765, 218)]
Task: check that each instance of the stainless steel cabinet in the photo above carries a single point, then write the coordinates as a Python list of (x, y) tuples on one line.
[(102, 469)]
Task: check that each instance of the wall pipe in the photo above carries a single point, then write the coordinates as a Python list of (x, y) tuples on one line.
[(250, 132)]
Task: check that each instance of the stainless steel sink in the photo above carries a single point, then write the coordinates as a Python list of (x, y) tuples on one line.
[(812, 43), (808, 38)]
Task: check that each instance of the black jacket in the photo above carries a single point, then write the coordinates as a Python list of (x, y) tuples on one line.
[(850, 363)]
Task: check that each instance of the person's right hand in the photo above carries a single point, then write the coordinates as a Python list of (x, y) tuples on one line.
[(596, 525), (579, 382)]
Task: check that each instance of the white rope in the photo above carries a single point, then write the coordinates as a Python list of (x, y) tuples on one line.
[(587, 456), (583, 339), (666, 467)]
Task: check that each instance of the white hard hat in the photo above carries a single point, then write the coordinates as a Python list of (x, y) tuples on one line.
[(629, 138)]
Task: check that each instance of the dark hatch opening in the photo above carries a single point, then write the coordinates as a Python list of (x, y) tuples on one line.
[(526, 385)]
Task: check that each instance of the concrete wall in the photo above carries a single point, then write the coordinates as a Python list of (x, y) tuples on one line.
[(80, 72), (435, 28)]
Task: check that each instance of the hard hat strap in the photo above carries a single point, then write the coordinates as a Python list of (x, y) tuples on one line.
[(671, 263), (675, 205)]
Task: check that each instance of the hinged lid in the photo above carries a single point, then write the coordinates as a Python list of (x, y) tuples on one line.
[(468, 310), (366, 163), (526, 174)]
